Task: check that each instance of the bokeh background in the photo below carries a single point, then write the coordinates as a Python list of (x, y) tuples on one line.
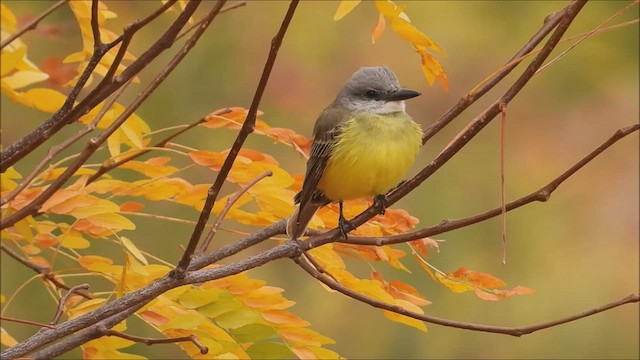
[(578, 251)]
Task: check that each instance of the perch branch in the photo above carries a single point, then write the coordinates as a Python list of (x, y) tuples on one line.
[(150, 341), (543, 194), (74, 290)]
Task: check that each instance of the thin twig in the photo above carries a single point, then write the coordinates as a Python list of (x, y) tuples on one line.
[(44, 271), (247, 128), (225, 210), (150, 341), (503, 125), (551, 21), (62, 146), (513, 331), (231, 7), (74, 290), (32, 24), (27, 322), (543, 194)]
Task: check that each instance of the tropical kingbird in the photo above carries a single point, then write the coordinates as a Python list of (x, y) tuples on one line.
[(363, 144)]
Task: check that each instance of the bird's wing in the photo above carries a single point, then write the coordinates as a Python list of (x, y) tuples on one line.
[(328, 127)]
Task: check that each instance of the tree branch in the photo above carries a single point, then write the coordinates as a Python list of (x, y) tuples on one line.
[(95, 142), (44, 271), (470, 131), (543, 194), (513, 331), (247, 128)]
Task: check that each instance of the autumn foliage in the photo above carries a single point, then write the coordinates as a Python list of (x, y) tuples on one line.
[(234, 316)]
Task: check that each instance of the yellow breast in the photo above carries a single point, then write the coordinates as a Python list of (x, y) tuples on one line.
[(372, 155)]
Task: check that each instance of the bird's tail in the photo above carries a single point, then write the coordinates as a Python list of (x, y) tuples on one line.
[(298, 222)]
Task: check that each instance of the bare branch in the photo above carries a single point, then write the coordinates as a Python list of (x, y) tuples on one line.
[(44, 271), (543, 194), (74, 290), (232, 200), (27, 322), (32, 24), (247, 128), (150, 341), (471, 130)]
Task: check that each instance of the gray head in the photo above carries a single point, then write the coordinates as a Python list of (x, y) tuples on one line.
[(374, 89)]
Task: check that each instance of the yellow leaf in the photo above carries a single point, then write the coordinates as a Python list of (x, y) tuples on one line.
[(73, 240), (112, 221), (24, 78), (131, 247), (100, 206), (344, 8), (6, 179), (453, 285), (6, 339), (185, 321), (11, 58), (413, 35), (46, 100), (405, 319), (195, 298)]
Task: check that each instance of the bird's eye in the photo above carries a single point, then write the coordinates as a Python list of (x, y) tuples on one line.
[(371, 94)]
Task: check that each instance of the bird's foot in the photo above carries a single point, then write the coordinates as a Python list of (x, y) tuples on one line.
[(381, 201), (345, 227)]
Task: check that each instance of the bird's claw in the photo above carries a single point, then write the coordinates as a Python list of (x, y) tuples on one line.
[(380, 200)]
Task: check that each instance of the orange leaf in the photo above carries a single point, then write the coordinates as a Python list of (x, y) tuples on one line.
[(477, 278), (131, 206), (378, 30)]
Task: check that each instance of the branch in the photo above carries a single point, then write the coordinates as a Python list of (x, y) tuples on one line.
[(230, 201), (27, 322), (247, 128), (542, 195), (62, 146), (95, 142), (31, 25), (150, 341), (550, 22), (470, 131), (74, 290), (513, 331), (67, 113), (44, 271)]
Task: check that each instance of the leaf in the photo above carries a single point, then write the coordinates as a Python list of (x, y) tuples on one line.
[(252, 332), (195, 298), (6, 339), (269, 351), (186, 321), (131, 247), (477, 278), (418, 324), (378, 30), (238, 318), (112, 221), (344, 8)]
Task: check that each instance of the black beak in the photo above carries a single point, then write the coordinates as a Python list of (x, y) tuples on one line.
[(402, 94)]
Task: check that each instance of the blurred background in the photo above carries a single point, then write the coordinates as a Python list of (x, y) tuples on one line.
[(578, 251)]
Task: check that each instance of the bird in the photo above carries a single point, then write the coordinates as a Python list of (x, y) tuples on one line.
[(363, 145)]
